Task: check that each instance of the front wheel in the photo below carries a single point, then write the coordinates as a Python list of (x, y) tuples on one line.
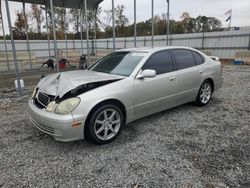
[(105, 124), (205, 94)]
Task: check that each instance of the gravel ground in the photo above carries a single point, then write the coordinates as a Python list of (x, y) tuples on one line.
[(186, 146)]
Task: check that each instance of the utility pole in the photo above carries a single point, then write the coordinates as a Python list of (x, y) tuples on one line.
[(19, 89), (135, 32), (153, 28), (113, 23), (4, 37), (168, 23), (54, 33)]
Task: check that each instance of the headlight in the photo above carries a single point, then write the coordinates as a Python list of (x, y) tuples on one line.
[(67, 105), (51, 106), (34, 93)]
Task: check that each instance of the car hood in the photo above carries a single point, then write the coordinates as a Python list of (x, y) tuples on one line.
[(59, 84)]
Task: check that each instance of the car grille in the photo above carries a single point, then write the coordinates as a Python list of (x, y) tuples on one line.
[(42, 100)]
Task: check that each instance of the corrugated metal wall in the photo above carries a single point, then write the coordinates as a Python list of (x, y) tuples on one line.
[(222, 44)]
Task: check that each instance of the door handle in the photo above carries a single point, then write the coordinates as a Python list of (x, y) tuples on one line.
[(172, 78)]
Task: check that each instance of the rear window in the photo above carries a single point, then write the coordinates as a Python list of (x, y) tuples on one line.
[(199, 59), (183, 59)]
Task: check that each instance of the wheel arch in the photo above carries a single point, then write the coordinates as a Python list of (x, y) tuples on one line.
[(115, 102), (211, 81)]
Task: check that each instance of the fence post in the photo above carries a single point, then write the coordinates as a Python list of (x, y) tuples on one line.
[(113, 23), (93, 46), (13, 48), (202, 42), (47, 30), (249, 43), (73, 41), (27, 34), (5, 45), (54, 34)]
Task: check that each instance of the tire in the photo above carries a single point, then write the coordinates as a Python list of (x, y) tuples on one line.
[(205, 93), (105, 124)]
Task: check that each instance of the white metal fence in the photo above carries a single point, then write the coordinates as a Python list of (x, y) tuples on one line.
[(222, 44)]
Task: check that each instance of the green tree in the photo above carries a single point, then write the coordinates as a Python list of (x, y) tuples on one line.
[(207, 24), (191, 26), (215, 24)]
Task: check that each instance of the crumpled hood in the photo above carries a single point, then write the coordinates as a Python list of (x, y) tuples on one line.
[(59, 84)]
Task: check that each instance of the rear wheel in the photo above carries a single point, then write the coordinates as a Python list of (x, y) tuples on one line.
[(205, 93), (105, 124)]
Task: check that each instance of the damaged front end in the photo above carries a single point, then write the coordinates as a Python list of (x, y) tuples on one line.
[(54, 104), (69, 101), (59, 93)]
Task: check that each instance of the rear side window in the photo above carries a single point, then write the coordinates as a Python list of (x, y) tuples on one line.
[(198, 58), (161, 62), (183, 59)]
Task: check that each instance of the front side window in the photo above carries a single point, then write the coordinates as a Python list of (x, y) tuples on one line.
[(161, 62), (119, 63), (183, 59)]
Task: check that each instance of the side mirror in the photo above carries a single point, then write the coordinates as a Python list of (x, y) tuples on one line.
[(147, 73)]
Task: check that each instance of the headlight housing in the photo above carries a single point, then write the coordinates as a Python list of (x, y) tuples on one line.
[(51, 106), (67, 105), (33, 93)]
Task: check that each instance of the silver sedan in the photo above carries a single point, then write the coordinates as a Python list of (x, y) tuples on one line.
[(123, 86)]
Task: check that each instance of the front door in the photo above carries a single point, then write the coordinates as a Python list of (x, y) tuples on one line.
[(158, 93)]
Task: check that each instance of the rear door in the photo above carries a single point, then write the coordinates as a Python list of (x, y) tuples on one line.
[(189, 75), (155, 94)]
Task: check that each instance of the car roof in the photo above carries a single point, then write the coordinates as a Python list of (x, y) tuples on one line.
[(152, 49)]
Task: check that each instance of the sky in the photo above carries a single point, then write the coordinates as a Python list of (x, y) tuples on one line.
[(213, 8)]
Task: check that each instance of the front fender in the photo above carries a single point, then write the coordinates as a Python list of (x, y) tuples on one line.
[(121, 90)]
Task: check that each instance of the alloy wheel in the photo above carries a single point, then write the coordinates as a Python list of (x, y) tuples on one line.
[(205, 93), (107, 124)]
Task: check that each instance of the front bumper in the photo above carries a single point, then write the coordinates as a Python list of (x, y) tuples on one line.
[(58, 126)]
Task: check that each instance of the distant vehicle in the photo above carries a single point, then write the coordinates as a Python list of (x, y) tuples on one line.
[(123, 86)]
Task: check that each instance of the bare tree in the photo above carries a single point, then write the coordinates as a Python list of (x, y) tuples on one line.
[(121, 20), (185, 19), (94, 18), (59, 18), (75, 19), (19, 29), (36, 14), (107, 18)]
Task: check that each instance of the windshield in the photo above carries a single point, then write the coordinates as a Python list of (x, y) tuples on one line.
[(120, 63)]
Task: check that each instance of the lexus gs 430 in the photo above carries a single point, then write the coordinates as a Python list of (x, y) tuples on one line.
[(123, 86)]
